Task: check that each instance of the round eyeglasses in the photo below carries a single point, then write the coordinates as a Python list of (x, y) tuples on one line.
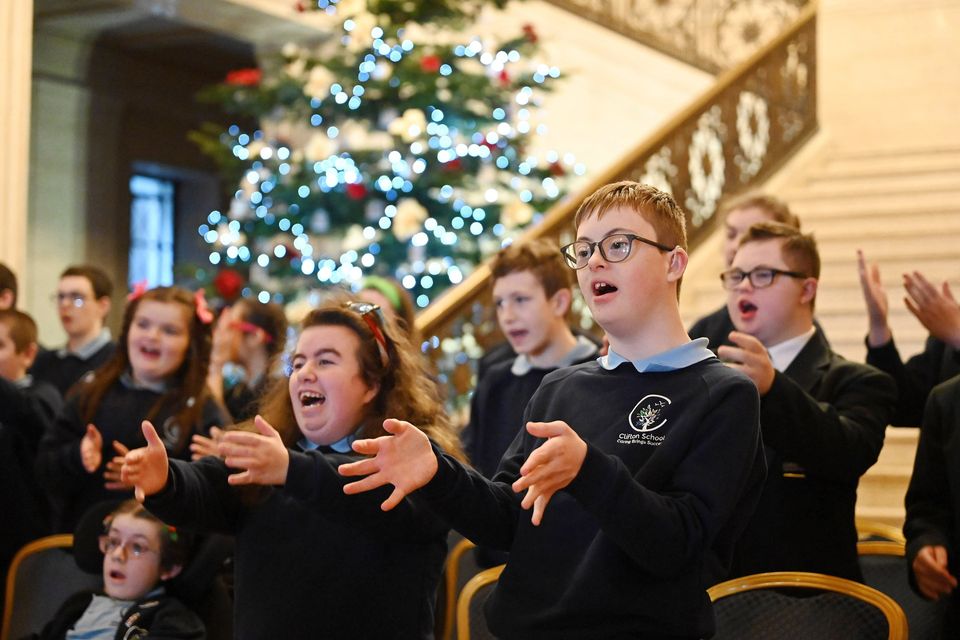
[(109, 544), (760, 277), (614, 248), (72, 299)]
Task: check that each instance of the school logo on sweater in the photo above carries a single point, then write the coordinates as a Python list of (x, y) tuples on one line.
[(645, 417)]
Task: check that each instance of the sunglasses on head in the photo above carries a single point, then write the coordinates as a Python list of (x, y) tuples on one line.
[(372, 314)]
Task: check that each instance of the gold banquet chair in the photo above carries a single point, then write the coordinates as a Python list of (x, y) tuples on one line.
[(884, 568), (799, 605), (41, 577), (471, 623), (870, 530), (458, 569)]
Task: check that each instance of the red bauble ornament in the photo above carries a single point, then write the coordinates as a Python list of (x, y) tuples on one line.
[(228, 283), (356, 191), (244, 77), (453, 165), (430, 63), (504, 78)]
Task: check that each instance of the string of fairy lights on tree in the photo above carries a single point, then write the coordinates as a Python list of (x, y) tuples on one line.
[(397, 148)]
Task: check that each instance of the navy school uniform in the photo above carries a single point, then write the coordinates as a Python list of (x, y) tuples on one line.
[(118, 418), (933, 497), (823, 422), (27, 410), (63, 368), (496, 409), (915, 378), (673, 468), (310, 561)]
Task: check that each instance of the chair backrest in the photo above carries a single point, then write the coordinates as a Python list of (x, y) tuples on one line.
[(471, 623), (803, 605), (461, 565), (870, 530), (884, 568), (41, 577)]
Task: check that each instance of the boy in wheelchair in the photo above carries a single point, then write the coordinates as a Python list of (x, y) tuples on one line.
[(140, 553)]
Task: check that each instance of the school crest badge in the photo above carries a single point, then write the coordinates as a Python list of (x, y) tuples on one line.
[(647, 415)]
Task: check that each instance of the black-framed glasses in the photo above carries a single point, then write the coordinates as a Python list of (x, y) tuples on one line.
[(759, 277), (109, 544), (614, 248), (72, 299), (372, 314)]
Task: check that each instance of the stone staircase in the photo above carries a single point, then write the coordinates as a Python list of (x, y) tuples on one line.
[(903, 210)]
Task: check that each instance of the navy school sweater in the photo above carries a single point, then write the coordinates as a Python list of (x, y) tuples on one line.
[(310, 561), (118, 418), (673, 470)]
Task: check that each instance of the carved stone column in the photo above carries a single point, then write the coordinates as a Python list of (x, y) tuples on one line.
[(16, 37)]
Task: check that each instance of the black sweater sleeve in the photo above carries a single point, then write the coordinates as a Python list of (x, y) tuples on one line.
[(197, 496), (58, 461), (839, 435), (914, 379), (485, 511), (930, 510), (312, 477), (30, 412)]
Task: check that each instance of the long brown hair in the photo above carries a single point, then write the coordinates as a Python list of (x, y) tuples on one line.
[(406, 390), (187, 390)]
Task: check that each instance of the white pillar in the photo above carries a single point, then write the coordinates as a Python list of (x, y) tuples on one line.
[(16, 37)]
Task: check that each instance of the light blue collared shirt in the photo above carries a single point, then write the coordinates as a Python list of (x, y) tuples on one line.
[(670, 360), (343, 445), (126, 379)]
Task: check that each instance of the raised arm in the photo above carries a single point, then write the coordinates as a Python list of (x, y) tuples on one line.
[(483, 510), (195, 494), (936, 309), (875, 297)]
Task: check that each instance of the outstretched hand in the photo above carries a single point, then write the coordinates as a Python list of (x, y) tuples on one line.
[(930, 569), (878, 307), (91, 449), (262, 456), (751, 357), (146, 468), (111, 475), (936, 309), (201, 446), (404, 459), (551, 467)]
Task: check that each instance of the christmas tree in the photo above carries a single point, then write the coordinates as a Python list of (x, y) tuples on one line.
[(396, 147)]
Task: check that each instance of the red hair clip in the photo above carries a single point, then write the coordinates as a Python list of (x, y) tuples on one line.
[(203, 311), (139, 288)]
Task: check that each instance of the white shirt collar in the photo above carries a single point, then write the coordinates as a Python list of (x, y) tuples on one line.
[(783, 354)]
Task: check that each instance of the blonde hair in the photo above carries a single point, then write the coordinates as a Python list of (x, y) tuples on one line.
[(776, 209)]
